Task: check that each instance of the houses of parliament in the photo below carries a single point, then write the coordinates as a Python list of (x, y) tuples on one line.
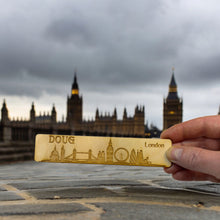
[(102, 125)]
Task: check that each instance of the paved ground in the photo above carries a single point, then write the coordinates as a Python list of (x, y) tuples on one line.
[(33, 190)]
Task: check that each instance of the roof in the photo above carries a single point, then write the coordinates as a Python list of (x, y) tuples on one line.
[(173, 81), (75, 84), (172, 89)]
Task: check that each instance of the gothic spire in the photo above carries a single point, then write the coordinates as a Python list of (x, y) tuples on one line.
[(173, 81), (75, 88), (115, 113), (4, 111), (97, 113), (172, 87), (125, 113), (53, 109), (4, 104), (53, 114)]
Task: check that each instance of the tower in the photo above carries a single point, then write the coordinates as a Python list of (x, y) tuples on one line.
[(139, 128), (125, 115), (53, 115), (97, 114), (74, 107), (4, 110), (32, 113), (6, 130), (172, 106), (115, 114), (114, 122)]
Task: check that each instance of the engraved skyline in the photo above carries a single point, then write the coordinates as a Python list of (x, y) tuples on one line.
[(103, 150), (119, 156)]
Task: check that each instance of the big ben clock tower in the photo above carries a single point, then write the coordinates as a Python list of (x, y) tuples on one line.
[(172, 106), (74, 107)]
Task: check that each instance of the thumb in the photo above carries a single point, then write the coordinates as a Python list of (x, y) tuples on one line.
[(196, 159)]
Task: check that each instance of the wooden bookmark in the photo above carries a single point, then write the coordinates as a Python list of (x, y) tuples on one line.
[(102, 150)]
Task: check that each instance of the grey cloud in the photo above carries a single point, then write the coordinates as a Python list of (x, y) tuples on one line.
[(70, 30), (115, 46)]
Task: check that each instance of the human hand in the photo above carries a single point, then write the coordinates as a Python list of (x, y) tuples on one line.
[(196, 149)]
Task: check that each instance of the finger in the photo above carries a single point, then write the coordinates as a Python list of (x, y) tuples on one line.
[(182, 174), (187, 175), (196, 159), (206, 143), (208, 126), (173, 169)]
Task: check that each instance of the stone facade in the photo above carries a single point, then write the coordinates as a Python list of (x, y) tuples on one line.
[(103, 125)]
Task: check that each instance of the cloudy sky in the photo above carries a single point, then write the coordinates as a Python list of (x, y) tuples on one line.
[(123, 51)]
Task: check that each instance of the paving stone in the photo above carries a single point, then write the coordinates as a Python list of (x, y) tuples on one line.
[(47, 171), (208, 187), (125, 211), (2, 189), (30, 209), (26, 185), (9, 196), (138, 185), (72, 193), (171, 195), (201, 186)]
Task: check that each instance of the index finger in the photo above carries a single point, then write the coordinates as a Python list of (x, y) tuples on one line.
[(208, 126)]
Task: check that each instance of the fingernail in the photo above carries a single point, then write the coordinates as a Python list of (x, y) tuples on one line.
[(174, 154)]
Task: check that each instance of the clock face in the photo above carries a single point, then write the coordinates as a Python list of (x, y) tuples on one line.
[(171, 112)]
